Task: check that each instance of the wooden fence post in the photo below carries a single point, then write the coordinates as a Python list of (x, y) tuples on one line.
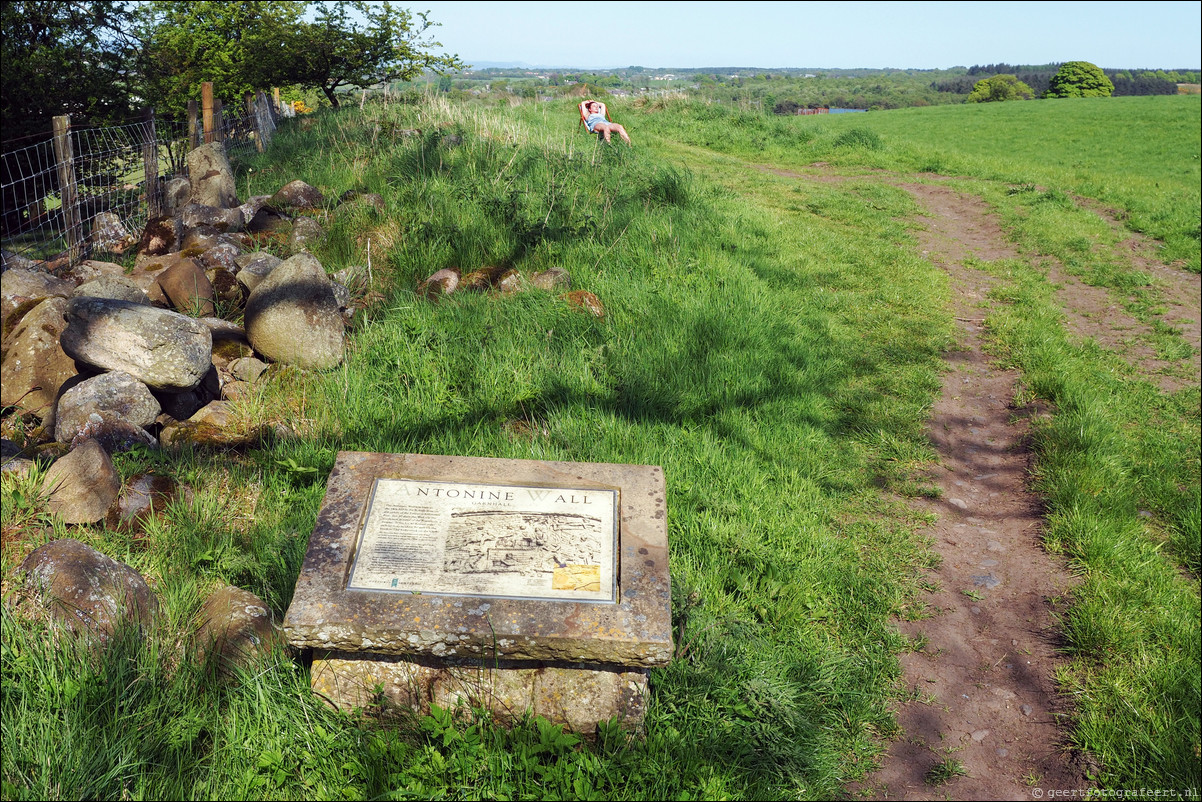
[(275, 99), (218, 121), (248, 98), (206, 106), (193, 134), (64, 155), (150, 165)]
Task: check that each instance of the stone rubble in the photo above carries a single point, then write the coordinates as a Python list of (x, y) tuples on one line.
[(97, 359)]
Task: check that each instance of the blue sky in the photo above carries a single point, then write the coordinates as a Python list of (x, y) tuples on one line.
[(919, 35)]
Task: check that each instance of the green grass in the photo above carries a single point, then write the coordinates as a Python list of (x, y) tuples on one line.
[(1139, 155), (774, 345), (1118, 463), (751, 351), (945, 771)]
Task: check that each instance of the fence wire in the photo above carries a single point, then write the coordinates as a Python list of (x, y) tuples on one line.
[(106, 183)]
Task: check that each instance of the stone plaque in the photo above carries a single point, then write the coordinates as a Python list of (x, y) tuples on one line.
[(582, 583), (517, 541)]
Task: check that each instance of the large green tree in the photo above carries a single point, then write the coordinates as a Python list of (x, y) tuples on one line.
[(238, 46), (1079, 79), (56, 58), (358, 44), (63, 58), (999, 88), (242, 46)]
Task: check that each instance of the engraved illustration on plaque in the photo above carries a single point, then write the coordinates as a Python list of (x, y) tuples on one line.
[(499, 540), (526, 543)]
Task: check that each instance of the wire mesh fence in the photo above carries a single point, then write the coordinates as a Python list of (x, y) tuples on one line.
[(87, 192)]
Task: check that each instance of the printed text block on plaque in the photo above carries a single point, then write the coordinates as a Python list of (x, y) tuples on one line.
[(514, 541)]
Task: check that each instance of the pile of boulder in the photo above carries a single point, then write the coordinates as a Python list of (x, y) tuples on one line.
[(77, 591), (97, 359), (94, 352)]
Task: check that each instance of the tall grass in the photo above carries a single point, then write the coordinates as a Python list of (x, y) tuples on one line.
[(777, 362)]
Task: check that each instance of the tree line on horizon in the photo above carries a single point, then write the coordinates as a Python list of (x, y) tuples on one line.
[(1127, 82)]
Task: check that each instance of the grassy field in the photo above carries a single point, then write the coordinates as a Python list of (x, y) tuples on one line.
[(1119, 467), (1139, 155), (775, 350)]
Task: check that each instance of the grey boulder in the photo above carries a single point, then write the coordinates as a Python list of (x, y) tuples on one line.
[(293, 317), (176, 194), (35, 365), (236, 626), (197, 214), (115, 288), (116, 395), (19, 285), (305, 233), (81, 486), (212, 177), (84, 590), (165, 350), (297, 195), (254, 267)]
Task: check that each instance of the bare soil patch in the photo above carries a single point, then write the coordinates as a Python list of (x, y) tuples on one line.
[(1182, 290), (982, 688), (1090, 312)]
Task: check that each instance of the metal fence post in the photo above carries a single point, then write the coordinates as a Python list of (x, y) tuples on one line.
[(64, 155), (193, 134), (218, 121), (150, 165)]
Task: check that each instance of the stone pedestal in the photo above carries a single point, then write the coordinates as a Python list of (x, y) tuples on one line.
[(510, 585), (576, 695)]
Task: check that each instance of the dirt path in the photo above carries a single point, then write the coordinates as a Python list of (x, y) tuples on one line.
[(982, 696), (982, 719)]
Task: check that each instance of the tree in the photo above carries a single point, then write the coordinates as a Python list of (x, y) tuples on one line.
[(999, 88), (63, 58), (335, 50), (786, 107), (58, 58), (1079, 79), (241, 46), (238, 46)]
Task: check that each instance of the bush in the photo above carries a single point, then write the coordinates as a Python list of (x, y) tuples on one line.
[(859, 138), (998, 89)]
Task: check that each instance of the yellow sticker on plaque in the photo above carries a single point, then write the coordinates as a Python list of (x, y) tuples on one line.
[(577, 577)]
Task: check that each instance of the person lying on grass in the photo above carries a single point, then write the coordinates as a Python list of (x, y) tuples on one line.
[(597, 124)]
